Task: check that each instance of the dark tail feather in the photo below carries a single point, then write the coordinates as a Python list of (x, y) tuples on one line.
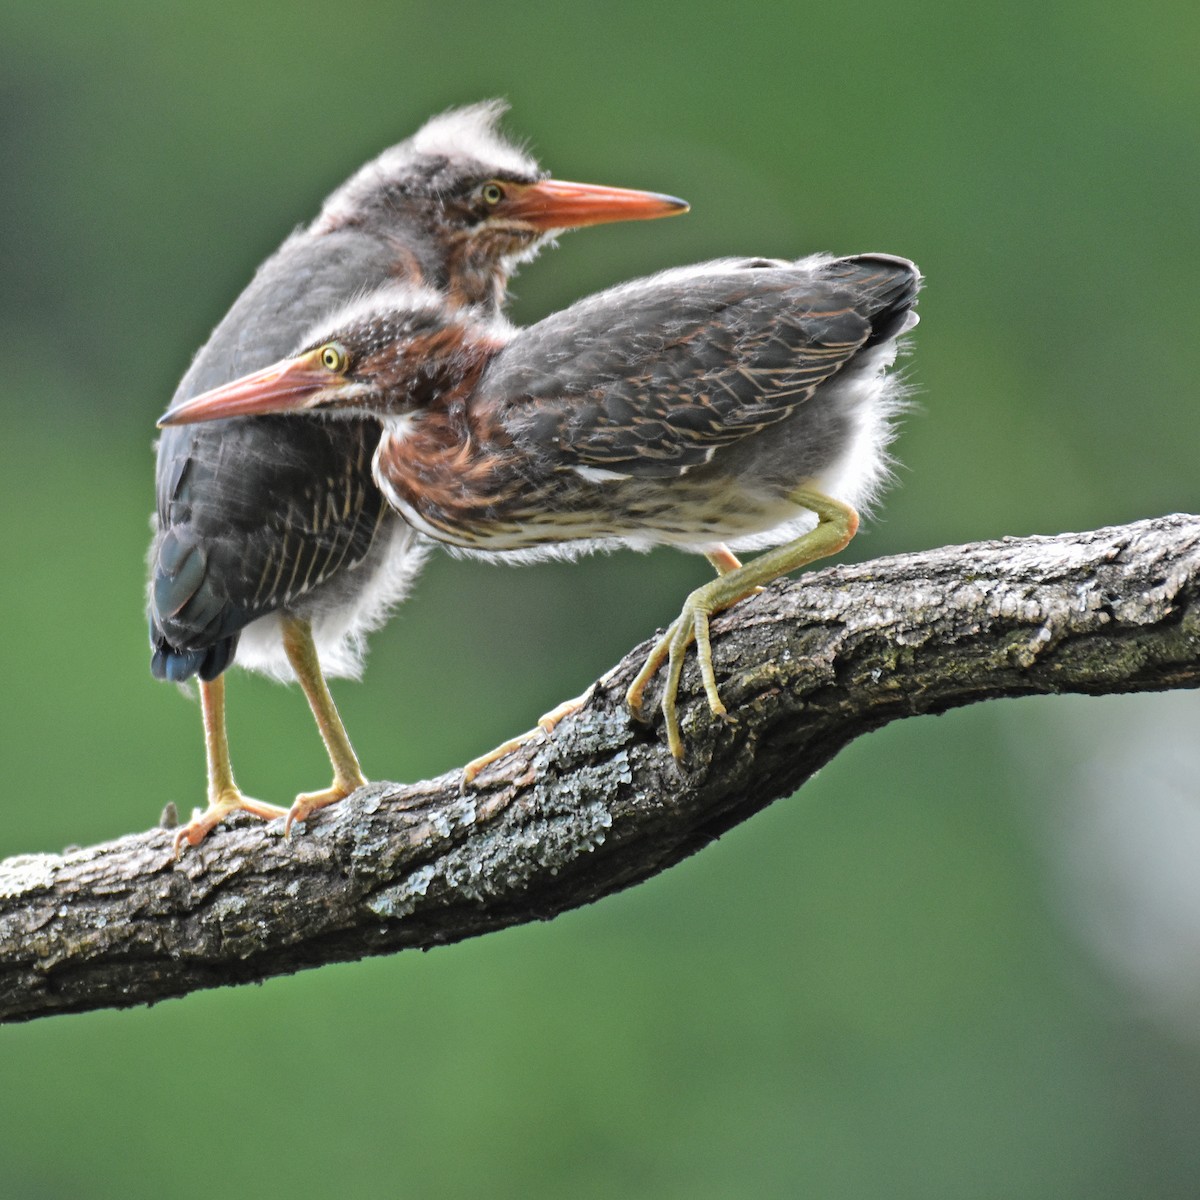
[(889, 285), (176, 666)]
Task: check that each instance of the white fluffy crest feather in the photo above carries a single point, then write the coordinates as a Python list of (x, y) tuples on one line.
[(465, 135), (471, 132)]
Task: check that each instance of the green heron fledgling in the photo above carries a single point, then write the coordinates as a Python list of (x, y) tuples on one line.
[(272, 541), (738, 403)]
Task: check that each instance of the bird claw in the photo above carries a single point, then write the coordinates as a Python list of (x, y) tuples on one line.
[(219, 807), (477, 765), (546, 725), (308, 803), (690, 626)]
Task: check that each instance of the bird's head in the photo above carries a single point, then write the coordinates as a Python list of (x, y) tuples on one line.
[(481, 203), (389, 353)]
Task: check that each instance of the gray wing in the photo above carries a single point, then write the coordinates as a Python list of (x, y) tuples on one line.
[(650, 379), (235, 498)]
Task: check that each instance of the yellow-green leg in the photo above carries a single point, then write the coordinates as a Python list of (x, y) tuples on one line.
[(836, 525), (723, 561), (347, 774), (224, 796)]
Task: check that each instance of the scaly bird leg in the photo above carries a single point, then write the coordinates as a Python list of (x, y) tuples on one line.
[(347, 774), (224, 795), (836, 525), (723, 562)]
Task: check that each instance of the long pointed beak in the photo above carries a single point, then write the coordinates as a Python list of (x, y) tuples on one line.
[(555, 204), (285, 386)]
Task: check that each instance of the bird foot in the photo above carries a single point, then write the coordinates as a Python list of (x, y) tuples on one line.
[(546, 725), (308, 803), (690, 626), (219, 807), (836, 525)]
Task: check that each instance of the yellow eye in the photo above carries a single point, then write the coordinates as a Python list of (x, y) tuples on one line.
[(333, 358), (492, 193)]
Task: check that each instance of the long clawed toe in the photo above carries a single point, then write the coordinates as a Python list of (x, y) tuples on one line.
[(308, 803), (836, 525), (690, 626), (472, 770), (546, 725), (219, 808)]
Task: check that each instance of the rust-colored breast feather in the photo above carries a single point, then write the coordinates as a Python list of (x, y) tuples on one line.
[(450, 467), (454, 480)]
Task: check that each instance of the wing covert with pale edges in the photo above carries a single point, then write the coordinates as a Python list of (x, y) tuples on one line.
[(651, 379)]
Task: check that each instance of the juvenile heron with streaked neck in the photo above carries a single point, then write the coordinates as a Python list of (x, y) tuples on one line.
[(738, 403), (273, 543)]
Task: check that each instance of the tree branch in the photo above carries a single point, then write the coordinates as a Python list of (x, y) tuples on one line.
[(804, 668)]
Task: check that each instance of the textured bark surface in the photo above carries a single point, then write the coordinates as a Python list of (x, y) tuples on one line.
[(804, 669)]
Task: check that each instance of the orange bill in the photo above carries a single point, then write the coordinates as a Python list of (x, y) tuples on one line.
[(555, 204), (293, 383)]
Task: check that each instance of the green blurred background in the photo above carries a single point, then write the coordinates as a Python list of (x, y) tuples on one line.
[(965, 960)]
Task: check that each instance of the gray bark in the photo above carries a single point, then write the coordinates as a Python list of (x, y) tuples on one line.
[(804, 669)]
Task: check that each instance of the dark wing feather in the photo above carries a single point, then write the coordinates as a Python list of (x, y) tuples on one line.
[(652, 378), (216, 561)]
